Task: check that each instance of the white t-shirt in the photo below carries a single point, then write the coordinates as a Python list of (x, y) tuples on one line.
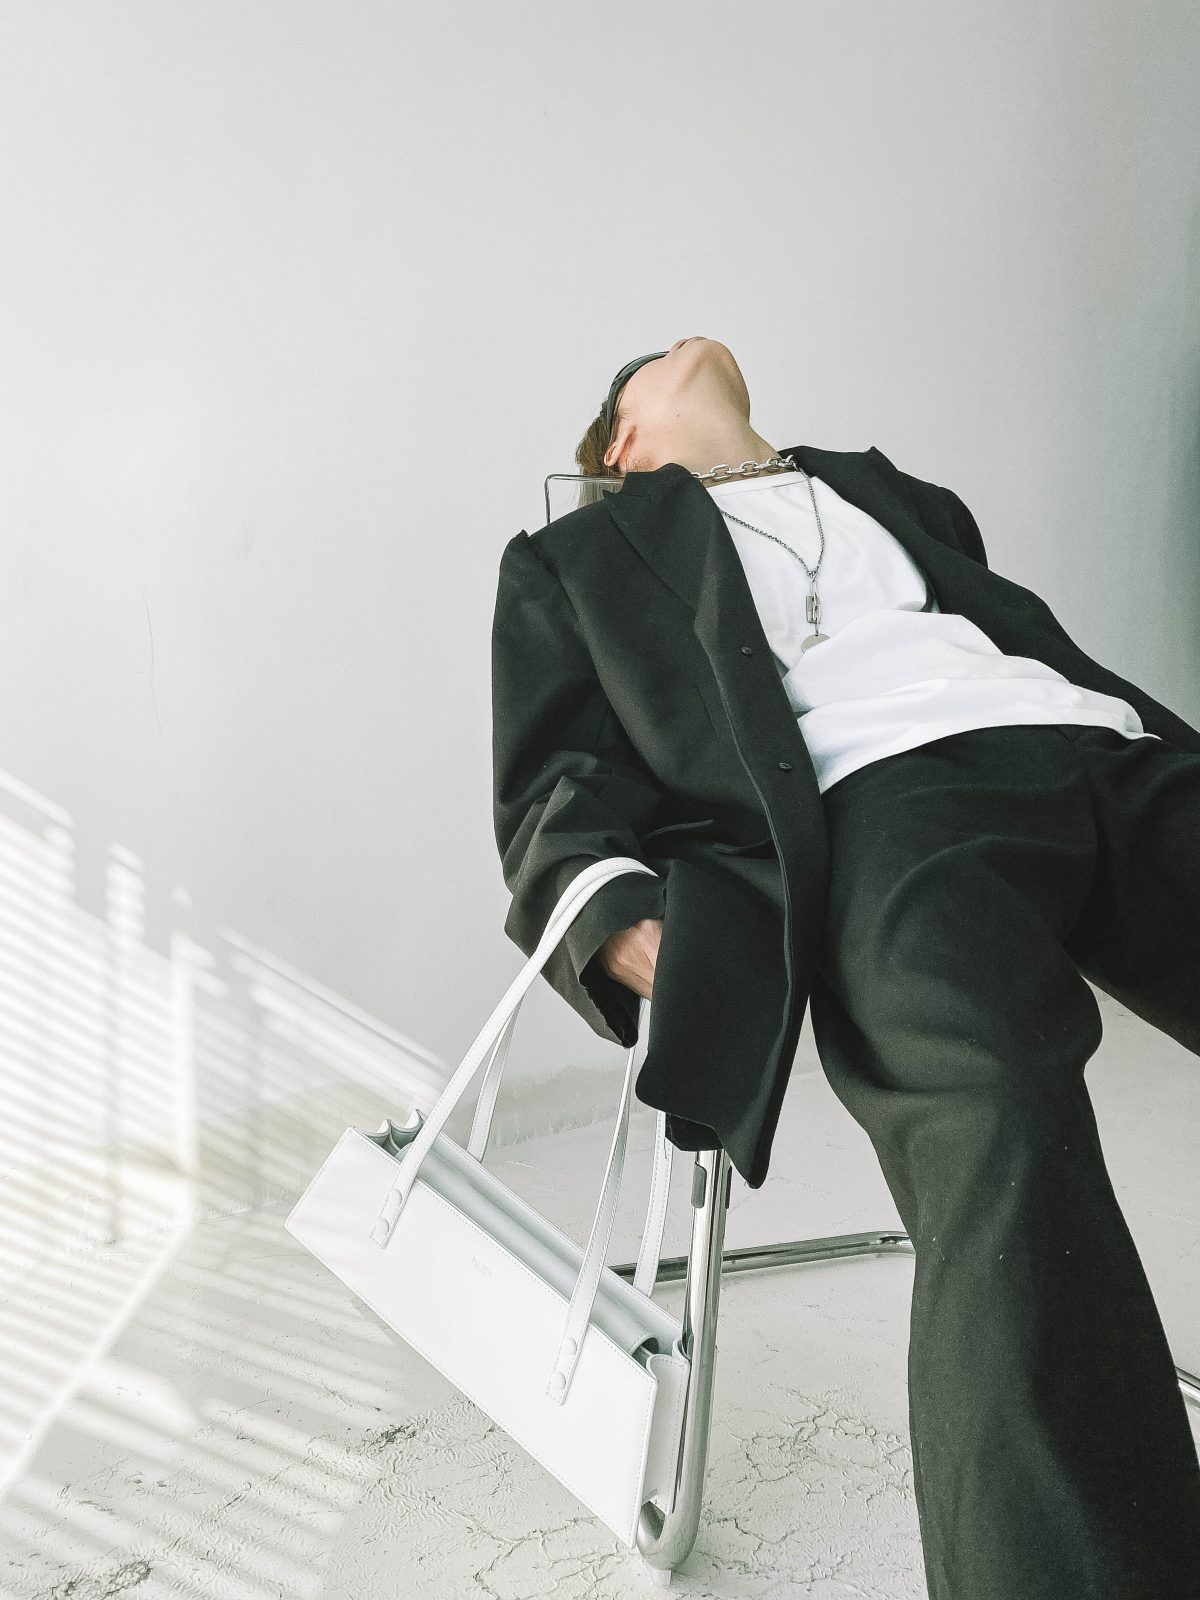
[(895, 671)]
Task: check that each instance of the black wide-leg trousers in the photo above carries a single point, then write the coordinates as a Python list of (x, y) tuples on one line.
[(976, 881)]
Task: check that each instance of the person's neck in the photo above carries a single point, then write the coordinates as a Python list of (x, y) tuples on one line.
[(701, 452)]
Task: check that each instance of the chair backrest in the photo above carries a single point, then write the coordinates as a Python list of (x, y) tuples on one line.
[(590, 488)]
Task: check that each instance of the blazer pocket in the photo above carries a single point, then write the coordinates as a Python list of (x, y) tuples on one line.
[(756, 847), (669, 828), (701, 825)]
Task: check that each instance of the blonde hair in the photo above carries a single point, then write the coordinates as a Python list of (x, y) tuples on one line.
[(589, 457)]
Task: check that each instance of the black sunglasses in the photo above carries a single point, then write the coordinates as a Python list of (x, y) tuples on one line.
[(609, 410)]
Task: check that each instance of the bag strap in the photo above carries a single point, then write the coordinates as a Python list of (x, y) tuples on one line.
[(579, 1311), (570, 903), (650, 1250)]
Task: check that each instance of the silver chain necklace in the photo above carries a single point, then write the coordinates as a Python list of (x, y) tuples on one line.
[(813, 599)]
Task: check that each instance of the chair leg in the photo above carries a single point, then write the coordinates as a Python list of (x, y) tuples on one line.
[(666, 1542)]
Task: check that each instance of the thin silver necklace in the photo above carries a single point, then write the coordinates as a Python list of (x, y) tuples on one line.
[(813, 599)]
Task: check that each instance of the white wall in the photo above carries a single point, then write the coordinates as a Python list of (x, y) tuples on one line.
[(299, 303)]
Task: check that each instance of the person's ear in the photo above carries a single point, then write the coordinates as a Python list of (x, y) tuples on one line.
[(612, 456)]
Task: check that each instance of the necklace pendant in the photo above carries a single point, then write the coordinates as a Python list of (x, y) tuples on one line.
[(813, 638)]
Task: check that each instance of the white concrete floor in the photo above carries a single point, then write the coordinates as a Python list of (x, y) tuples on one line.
[(203, 1411)]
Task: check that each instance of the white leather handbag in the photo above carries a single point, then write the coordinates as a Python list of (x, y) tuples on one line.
[(578, 1365)]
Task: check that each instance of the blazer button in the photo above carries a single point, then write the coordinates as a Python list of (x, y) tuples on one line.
[(747, 650), (785, 766)]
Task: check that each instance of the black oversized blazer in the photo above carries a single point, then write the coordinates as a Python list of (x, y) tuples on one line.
[(637, 711)]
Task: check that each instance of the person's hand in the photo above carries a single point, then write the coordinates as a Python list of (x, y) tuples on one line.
[(630, 956)]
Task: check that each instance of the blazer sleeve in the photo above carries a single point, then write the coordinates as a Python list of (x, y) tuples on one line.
[(567, 790)]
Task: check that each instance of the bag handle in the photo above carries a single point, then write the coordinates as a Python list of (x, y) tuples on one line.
[(570, 903), (650, 1249)]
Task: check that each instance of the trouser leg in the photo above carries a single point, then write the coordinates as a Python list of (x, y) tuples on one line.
[(1051, 1447), (1138, 937)]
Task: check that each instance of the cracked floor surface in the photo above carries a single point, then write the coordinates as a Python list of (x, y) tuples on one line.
[(207, 1413)]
